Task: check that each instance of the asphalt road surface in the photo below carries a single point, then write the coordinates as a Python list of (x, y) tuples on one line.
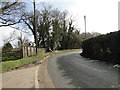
[(70, 70)]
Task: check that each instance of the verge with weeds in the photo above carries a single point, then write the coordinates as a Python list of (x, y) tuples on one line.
[(10, 65)]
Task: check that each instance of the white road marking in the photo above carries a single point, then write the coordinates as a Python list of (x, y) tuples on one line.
[(113, 86), (36, 78), (92, 68)]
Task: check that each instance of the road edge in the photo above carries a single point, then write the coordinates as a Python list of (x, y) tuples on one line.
[(37, 85), (36, 78), (49, 76)]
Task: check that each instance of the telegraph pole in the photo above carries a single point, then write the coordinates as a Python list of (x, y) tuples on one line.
[(35, 28), (85, 25)]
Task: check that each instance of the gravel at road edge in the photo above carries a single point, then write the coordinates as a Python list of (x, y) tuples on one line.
[(43, 76)]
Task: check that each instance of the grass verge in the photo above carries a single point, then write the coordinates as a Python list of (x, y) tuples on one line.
[(9, 65)]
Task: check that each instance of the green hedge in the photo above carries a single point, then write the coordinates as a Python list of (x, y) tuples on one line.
[(104, 47), (12, 55)]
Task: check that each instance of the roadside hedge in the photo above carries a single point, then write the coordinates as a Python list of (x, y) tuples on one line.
[(103, 47)]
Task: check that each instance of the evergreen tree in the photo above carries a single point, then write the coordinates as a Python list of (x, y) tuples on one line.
[(7, 47)]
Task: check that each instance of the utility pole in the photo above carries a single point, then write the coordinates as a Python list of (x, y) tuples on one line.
[(85, 25), (35, 28)]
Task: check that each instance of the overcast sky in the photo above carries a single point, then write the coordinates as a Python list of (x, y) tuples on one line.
[(101, 15)]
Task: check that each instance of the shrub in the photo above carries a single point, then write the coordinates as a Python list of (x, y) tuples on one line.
[(104, 47), (7, 47)]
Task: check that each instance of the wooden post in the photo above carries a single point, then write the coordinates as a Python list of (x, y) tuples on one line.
[(27, 51), (35, 28), (30, 51), (85, 25), (34, 51), (23, 51)]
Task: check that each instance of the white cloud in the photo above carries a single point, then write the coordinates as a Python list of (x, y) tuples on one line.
[(101, 15), (4, 33), (38, 0)]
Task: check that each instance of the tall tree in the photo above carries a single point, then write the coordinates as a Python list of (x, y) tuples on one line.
[(59, 28), (54, 31), (44, 28), (28, 19), (56, 28)]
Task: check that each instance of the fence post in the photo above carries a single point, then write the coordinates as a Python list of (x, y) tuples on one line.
[(34, 51), (30, 51), (23, 51), (27, 51)]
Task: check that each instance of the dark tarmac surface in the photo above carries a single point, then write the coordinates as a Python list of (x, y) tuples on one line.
[(70, 70)]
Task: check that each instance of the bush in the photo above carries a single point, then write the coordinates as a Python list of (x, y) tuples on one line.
[(104, 47), (7, 47)]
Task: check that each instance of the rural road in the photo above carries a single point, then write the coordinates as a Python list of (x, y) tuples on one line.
[(70, 70)]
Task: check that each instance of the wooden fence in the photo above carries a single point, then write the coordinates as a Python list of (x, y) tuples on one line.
[(29, 51), (25, 51)]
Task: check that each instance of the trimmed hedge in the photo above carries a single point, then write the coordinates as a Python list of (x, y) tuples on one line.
[(104, 47)]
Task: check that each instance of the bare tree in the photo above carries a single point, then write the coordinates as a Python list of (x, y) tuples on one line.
[(42, 20), (10, 12), (8, 6), (22, 41), (28, 19)]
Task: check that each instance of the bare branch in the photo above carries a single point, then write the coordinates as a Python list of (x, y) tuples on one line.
[(10, 13), (29, 26), (10, 23), (7, 6)]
